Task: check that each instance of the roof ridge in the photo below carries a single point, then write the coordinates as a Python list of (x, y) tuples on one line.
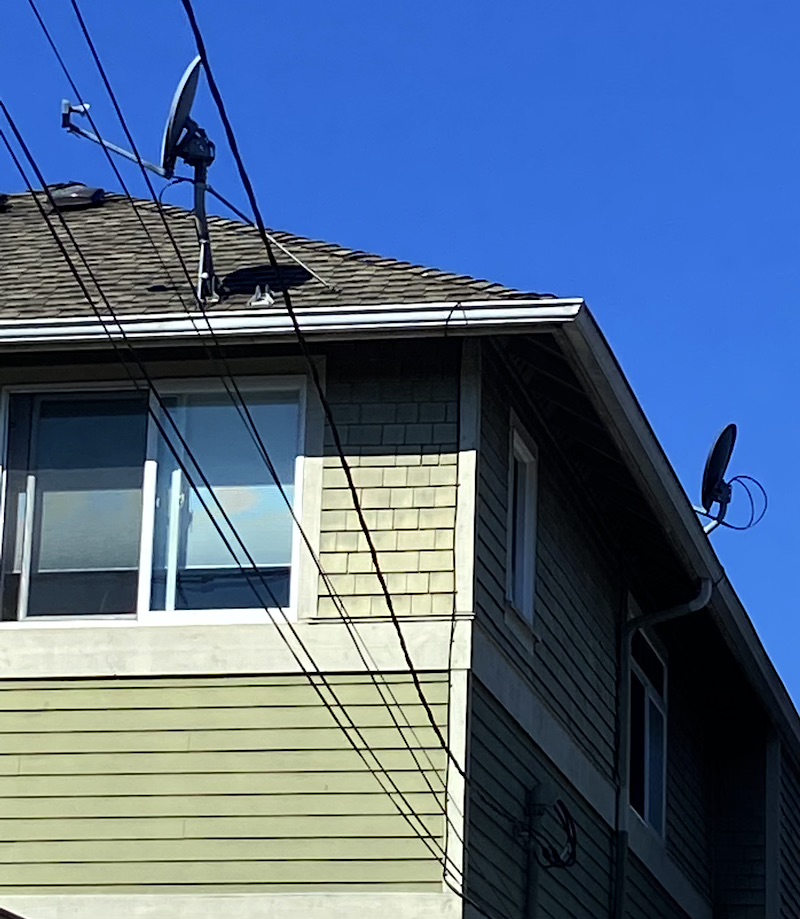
[(346, 252)]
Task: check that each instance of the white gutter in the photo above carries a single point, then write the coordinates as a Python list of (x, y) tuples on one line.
[(401, 320)]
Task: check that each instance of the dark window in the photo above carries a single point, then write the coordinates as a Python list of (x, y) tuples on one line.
[(647, 760)]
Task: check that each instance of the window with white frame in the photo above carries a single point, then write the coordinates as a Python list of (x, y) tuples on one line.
[(648, 732), (104, 517), (521, 538)]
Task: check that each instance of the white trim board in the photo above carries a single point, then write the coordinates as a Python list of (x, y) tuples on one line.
[(237, 906), (128, 648)]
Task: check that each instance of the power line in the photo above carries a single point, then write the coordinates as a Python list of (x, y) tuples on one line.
[(248, 187), (337, 600), (147, 382), (238, 399)]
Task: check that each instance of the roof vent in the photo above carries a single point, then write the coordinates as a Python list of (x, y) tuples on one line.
[(74, 195)]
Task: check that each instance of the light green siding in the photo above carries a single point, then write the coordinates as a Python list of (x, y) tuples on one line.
[(396, 410), (208, 784)]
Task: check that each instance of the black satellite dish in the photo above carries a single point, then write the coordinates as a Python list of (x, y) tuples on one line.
[(715, 490), (183, 140)]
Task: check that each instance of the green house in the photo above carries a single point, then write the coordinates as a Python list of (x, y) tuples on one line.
[(545, 701)]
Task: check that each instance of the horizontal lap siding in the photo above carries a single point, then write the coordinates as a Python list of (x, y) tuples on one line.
[(504, 764), (646, 898), (396, 412), (217, 784), (573, 666), (789, 838), (689, 783)]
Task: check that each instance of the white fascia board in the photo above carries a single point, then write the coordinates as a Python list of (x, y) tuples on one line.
[(595, 363), (273, 323)]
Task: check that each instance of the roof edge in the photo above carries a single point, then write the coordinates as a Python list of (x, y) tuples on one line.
[(452, 317), (607, 385)]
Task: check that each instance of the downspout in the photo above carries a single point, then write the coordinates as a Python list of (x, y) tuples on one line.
[(629, 628)]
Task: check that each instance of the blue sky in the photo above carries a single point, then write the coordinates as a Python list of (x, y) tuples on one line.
[(644, 156)]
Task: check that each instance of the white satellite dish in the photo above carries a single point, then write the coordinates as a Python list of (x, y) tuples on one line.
[(178, 120)]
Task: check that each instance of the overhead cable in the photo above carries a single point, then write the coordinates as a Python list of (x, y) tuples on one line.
[(315, 377), (308, 667), (230, 382)]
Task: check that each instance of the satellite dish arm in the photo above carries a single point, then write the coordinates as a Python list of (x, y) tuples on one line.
[(67, 110)]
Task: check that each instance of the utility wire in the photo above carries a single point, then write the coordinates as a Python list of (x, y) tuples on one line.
[(147, 382), (251, 426), (248, 187), (230, 382), (109, 157)]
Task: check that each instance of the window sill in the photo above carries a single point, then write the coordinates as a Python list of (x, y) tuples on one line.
[(179, 618), (647, 828), (521, 628)]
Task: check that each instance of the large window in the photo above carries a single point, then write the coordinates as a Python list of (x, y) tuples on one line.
[(101, 518), (521, 538), (648, 714)]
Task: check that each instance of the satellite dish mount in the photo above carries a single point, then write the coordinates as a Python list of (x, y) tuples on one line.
[(184, 140)]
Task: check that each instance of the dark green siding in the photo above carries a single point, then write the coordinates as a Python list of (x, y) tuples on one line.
[(572, 668), (505, 763), (789, 837)]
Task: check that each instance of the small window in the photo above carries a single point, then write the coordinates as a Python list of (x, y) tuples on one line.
[(101, 520), (521, 560), (648, 735)]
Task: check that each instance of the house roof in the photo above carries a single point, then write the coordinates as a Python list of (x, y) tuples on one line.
[(36, 281), (37, 285)]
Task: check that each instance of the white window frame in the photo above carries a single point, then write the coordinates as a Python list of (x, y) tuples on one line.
[(651, 694), (168, 387), (522, 448)]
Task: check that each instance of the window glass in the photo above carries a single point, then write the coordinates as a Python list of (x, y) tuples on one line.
[(75, 497), (649, 661), (193, 568), (637, 751), (521, 553), (647, 733), (517, 530), (90, 487), (655, 767)]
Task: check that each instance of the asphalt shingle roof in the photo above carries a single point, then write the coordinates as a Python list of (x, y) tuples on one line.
[(35, 280)]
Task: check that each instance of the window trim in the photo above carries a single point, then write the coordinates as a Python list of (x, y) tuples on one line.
[(521, 446), (171, 386), (651, 694)]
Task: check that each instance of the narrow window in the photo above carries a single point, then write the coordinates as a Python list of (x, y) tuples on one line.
[(648, 716), (521, 556)]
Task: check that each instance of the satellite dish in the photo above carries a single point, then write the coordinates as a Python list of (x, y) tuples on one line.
[(717, 490), (184, 140), (178, 119), (714, 489)]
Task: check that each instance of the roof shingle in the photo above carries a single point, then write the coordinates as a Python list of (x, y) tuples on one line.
[(35, 280)]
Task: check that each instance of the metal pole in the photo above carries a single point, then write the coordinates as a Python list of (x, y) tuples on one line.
[(533, 812)]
